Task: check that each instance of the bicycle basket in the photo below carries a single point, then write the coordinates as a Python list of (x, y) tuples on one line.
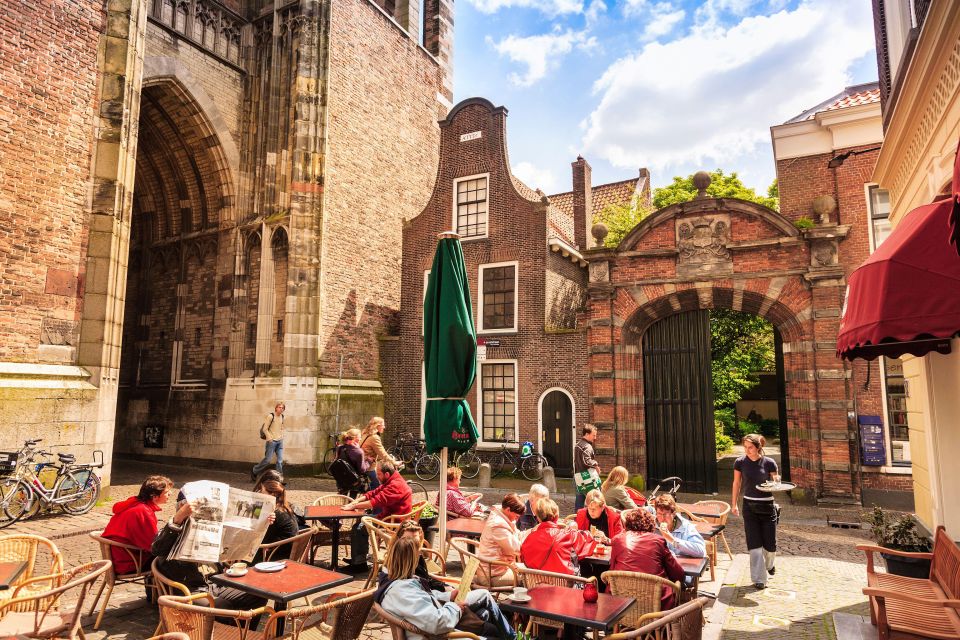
[(526, 449), (8, 461)]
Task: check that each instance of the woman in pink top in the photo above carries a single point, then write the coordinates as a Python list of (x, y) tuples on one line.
[(459, 505), (500, 540)]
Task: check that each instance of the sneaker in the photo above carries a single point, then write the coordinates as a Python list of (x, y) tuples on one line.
[(759, 585), (772, 570)]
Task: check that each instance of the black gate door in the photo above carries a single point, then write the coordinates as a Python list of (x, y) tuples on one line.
[(678, 401), (556, 416)]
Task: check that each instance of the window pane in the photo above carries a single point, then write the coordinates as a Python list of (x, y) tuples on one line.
[(499, 406), (498, 297), (472, 207)]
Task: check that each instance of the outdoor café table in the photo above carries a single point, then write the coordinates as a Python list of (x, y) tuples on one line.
[(566, 605), (692, 567), (701, 510), (296, 580), (10, 571), (333, 514), (464, 527)]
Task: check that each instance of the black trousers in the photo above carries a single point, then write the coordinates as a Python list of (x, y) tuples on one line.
[(760, 523)]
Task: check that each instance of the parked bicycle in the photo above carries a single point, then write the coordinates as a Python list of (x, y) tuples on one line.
[(75, 488), (468, 462), (405, 448), (333, 440), (427, 466), (526, 460)]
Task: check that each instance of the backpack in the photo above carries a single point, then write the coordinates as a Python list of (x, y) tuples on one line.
[(344, 473), (263, 435)]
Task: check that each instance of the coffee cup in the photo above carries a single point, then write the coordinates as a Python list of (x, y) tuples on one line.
[(519, 592), (238, 567)]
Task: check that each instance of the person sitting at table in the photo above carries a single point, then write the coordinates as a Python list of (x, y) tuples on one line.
[(189, 574), (284, 524), (405, 596), (500, 540), (459, 505), (410, 529), (134, 522), (681, 535), (640, 548), (529, 519), (553, 547), (392, 496), (597, 514), (273, 474), (615, 490)]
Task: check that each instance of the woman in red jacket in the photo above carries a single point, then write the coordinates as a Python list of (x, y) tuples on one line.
[(134, 522), (553, 547), (641, 548)]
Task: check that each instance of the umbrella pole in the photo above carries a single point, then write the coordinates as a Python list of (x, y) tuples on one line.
[(443, 503)]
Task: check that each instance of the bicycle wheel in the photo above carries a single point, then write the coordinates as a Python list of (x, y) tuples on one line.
[(427, 467), (328, 457), (498, 463), (469, 463), (532, 467), (16, 497), (79, 490), (420, 493)]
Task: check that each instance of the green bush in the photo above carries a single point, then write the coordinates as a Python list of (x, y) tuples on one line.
[(724, 442), (803, 222), (637, 482), (726, 418), (770, 428)]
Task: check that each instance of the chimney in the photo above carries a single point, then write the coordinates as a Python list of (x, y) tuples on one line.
[(582, 204)]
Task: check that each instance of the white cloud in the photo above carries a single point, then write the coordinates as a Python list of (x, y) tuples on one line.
[(659, 18), (536, 178), (593, 12), (710, 97), (540, 53), (549, 7)]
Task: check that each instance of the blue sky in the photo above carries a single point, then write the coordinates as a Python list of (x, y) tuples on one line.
[(671, 85)]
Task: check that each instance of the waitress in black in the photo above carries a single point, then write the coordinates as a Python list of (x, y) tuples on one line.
[(759, 511)]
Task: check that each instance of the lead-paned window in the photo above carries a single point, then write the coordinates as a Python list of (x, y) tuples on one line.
[(499, 401), (472, 207), (499, 297)]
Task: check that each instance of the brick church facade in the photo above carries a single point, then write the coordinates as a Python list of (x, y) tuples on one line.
[(217, 187)]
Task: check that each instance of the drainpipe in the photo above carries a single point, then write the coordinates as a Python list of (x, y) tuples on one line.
[(613, 361)]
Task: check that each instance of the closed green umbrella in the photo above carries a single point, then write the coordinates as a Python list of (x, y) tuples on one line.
[(449, 360)]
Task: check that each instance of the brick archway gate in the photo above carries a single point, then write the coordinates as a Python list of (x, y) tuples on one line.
[(726, 253)]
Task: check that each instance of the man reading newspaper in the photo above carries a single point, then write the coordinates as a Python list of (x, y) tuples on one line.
[(214, 524)]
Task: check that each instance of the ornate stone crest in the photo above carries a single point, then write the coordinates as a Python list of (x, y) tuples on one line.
[(702, 245)]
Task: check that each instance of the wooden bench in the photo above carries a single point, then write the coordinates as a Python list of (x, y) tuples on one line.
[(908, 608)]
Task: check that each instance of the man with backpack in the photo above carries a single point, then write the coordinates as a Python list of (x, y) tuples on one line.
[(272, 431)]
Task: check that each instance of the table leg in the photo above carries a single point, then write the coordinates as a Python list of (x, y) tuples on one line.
[(335, 538), (280, 606)]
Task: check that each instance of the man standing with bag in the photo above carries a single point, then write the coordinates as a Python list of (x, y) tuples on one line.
[(586, 469), (272, 431)]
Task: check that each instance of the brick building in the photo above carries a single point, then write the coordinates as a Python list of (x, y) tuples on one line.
[(185, 185), (523, 253)]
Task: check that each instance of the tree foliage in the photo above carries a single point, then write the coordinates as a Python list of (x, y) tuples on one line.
[(741, 345), (721, 186), (620, 219)]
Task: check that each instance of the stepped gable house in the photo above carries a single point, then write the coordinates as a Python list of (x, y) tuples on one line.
[(202, 203), (524, 259)]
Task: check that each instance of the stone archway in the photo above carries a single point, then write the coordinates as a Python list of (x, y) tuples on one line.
[(725, 253)]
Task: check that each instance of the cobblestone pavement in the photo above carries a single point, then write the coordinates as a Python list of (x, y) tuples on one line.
[(818, 572)]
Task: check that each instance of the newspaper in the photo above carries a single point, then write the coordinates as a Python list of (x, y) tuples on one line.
[(227, 523)]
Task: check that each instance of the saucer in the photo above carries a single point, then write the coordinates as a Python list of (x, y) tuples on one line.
[(525, 598), (235, 574), (270, 567)]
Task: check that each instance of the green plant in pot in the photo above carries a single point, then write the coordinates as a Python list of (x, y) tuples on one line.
[(899, 533)]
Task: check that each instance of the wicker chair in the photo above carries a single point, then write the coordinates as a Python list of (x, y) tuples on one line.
[(709, 545), (719, 519), (414, 514), (534, 578), (43, 558), (321, 532), (178, 613), (112, 578), (170, 636), (39, 614), (484, 575), (399, 628), (310, 623), (299, 546), (381, 535), (681, 623), (164, 586), (645, 588)]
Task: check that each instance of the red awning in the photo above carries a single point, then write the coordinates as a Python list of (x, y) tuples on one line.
[(906, 297)]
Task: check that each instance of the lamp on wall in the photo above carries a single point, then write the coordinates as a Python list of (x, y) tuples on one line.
[(838, 160)]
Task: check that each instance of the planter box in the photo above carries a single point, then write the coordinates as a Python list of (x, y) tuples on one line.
[(907, 567)]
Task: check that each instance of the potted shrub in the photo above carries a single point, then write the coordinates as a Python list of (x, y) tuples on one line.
[(899, 533)]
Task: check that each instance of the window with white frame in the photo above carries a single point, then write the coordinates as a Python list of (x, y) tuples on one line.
[(470, 206), (894, 389), (498, 297), (498, 401)]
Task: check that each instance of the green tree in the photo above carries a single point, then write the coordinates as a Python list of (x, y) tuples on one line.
[(620, 219), (741, 344), (721, 186)]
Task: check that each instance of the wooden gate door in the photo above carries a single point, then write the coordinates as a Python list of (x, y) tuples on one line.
[(678, 402), (556, 416)]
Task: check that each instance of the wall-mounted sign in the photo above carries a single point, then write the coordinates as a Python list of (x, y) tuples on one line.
[(481, 352), (492, 343), (473, 135)]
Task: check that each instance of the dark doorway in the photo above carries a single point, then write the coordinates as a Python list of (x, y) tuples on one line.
[(556, 417), (678, 400)]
